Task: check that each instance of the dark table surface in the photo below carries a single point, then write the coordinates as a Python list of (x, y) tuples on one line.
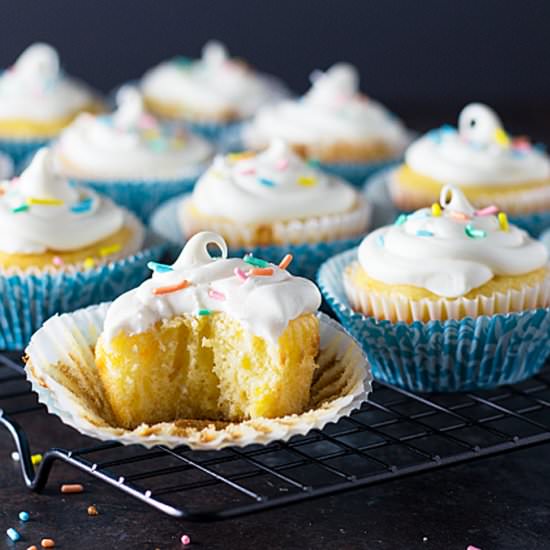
[(499, 503)]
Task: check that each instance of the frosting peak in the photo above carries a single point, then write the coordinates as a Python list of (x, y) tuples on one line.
[(337, 84), (130, 108), (450, 248), (214, 54), (38, 64), (264, 300)]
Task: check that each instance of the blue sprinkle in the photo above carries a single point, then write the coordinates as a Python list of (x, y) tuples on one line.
[(447, 129), (24, 516), (380, 240), (13, 534), (401, 219), (267, 182), (474, 233), (159, 268), (105, 119), (517, 153), (435, 136), (82, 206), (424, 233)]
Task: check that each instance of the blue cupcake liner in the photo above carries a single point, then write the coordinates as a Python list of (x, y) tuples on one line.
[(141, 197), (307, 258), (29, 299), (471, 353), (21, 150), (376, 189)]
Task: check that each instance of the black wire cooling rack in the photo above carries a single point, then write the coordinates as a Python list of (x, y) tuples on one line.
[(396, 434)]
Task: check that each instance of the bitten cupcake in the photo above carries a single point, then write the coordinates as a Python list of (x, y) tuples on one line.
[(484, 161), (37, 100), (447, 298), (333, 124), (131, 156), (199, 355), (61, 247), (273, 203), (209, 93)]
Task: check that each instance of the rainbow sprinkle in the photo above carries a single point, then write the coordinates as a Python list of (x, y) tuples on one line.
[(89, 263), (261, 271), (314, 163), (247, 171), (204, 312), (182, 61), (216, 294), (240, 274), (282, 164), (235, 157), (487, 211), (459, 215), (436, 210), (267, 182), (45, 202), (380, 240), (161, 290), (159, 145), (424, 233), (256, 262), (159, 268), (401, 219), (285, 262), (307, 181), (83, 206), (56, 260), (474, 233), (36, 459), (22, 208), (503, 221), (502, 138), (108, 250)]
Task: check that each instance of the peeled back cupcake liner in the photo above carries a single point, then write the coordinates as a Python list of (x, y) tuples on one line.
[(442, 356), (29, 298), (21, 151), (307, 257), (65, 344)]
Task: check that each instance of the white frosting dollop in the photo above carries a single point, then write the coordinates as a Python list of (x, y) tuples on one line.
[(332, 111), (130, 143), (264, 304), (274, 185), (478, 153), (212, 85), (451, 253), (41, 211), (35, 88)]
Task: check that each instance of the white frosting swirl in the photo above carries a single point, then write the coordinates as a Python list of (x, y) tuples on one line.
[(130, 143), (40, 211), (478, 153), (451, 253), (275, 185), (212, 85), (35, 88), (332, 111), (263, 304)]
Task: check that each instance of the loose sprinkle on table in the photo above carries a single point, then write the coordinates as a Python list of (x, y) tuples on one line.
[(487, 211), (108, 250), (159, 268), (71, 488), (474, 233), (24, 516), (32, 547), (503, 221), (261, 271), (285, 262), (240, 274), (216, 294), (185, 540), (160, 291), (15, 456), (470, 547), (256, 262), (424, 233), (13, 534), (307, 181), (436, 210), (36, 459), (47, 543), (92, 510)]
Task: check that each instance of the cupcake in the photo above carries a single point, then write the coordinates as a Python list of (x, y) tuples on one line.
[(211, 93), (333, 124), (447, 298), (6, 167), (484, 161), (209, 352), (37, 100), (273, 203), (61, 247), (130, 155)]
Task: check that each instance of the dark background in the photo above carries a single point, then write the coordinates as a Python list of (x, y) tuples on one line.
[(414, 55)]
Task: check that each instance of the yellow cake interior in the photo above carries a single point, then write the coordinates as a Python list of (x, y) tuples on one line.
[(207, 367)]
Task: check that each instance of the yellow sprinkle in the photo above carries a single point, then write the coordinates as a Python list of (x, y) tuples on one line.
[(307, 181), (150, 133), (108, 250), (89, 263), (178, 143), (234, 157), (436, 210), (48, 202), (502, 138), (36, 459), (503, 220)]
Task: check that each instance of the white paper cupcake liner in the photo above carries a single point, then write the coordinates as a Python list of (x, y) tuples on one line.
[(340, 385)]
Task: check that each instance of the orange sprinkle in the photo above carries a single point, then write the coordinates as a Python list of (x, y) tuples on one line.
[(47, 543), (459, 215), (72, 488), (262, 271), (285, 262), (33, 547), (173, 288)]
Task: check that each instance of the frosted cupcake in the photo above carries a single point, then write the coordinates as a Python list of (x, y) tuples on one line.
[(447, 298), (200, 355), (483, 160), (272, 203), (61, 247), (130, 155), (333, 124), (37, 100), (209, 93)]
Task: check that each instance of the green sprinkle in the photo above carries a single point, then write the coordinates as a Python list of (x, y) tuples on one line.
[(256, 262), (401, 219), (22, 208), (314, 163), (204, 312), (182, 61), (474, 233)]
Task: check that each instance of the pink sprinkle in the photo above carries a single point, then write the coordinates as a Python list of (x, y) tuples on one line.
[(240, 274), (185, 540), (521, 144), (216, 294), (282, 164), (488, 211), (459, 215), (56, 260), (147, 121), (470, 547), (248, 170)]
